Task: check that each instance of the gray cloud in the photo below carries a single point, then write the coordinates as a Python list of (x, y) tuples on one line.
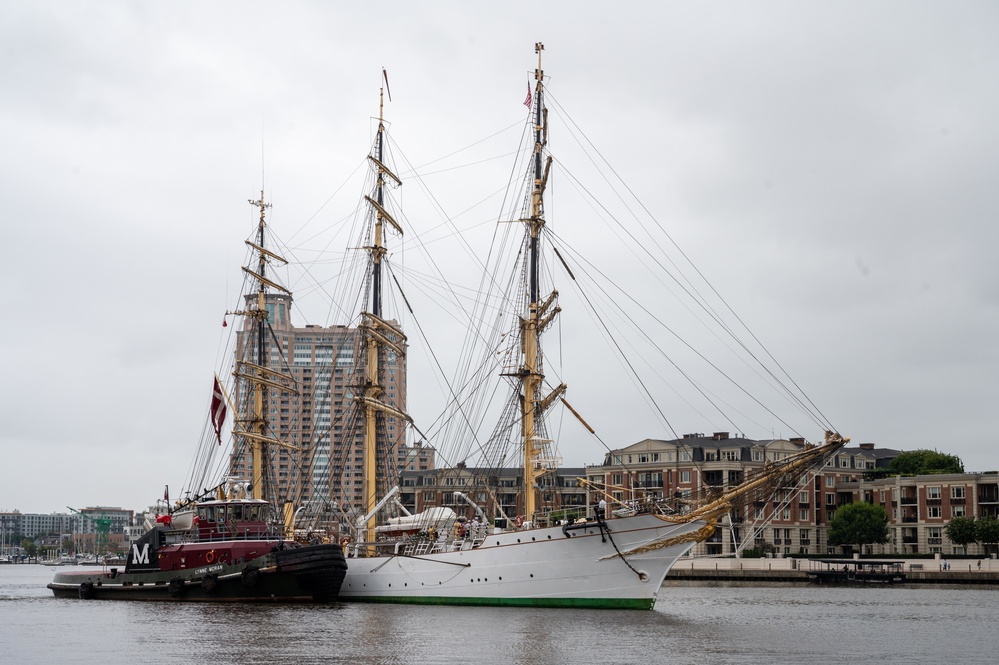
[(831, 168)]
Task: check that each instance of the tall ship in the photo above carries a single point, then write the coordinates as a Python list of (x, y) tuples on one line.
[(473, 547), (232, 541)]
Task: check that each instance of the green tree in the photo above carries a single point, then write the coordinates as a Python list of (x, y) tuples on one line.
[(925, 462), (859, 524), (29, 548), (962, 531), (987, 532)]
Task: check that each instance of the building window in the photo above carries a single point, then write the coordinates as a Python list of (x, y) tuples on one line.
[(933, 512), (830, 481), (957, 491), (685, 476), (803, 514), (957, 511)]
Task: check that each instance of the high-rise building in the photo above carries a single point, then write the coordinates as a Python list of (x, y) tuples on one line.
[(316, 414)]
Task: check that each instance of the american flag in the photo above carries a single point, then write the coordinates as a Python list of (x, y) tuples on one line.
[(527, 102)]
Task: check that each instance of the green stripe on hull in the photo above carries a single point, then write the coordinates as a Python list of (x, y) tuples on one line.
[(591, 603)]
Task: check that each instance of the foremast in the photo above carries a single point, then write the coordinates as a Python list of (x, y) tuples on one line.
[(379, 334), (540, 313)]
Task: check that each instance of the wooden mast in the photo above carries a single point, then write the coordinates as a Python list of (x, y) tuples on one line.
[(371, 401), (259, 424), (253, 426), (540, 313)]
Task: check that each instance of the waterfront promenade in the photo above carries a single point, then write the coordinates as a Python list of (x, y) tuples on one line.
[(792, 569)]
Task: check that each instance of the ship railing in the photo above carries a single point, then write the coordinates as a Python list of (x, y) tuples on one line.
[(188, 537)]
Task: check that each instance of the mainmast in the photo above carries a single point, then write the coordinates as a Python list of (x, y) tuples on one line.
[(378, 332), (539, 314)]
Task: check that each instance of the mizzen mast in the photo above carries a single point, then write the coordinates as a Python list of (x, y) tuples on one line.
[(254, 426), (540, 314)]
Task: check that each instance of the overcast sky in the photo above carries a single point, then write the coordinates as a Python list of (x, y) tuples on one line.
[(832, 167)]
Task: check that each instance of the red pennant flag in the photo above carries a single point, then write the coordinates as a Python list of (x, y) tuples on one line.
[(387, 89), (224, 322), (218, 410), (527, 102)]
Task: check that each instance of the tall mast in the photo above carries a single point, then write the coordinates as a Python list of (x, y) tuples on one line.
[(377, 331), (539, 317), (255, 371), (259, 425)]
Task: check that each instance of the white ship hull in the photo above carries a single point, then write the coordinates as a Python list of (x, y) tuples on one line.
[(535, 567)]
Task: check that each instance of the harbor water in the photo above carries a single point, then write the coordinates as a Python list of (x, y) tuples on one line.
[(692, 623)]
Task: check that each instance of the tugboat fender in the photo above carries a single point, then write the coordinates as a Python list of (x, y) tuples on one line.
[(250, 576), (209, 582), (176, 587), (86, 591)]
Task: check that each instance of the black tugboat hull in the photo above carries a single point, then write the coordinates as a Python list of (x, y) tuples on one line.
[(310, 574)]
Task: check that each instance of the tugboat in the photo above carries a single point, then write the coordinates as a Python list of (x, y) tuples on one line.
[(228, 553), (227, 543)]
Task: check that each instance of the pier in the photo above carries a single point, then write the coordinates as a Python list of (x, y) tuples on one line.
[(792, 569)]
